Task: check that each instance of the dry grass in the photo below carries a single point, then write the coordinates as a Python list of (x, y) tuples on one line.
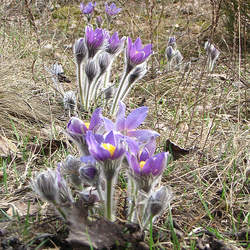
[(209, 111)]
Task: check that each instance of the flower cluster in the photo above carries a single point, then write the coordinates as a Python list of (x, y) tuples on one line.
[(110, 10), (106, 147), (94, 56)]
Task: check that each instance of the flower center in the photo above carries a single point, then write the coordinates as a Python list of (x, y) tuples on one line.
[(87, 124), (109, 147), (142, 163)]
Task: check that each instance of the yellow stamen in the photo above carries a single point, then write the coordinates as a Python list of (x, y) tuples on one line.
[(87, 124), (142, 163), (109, 147)]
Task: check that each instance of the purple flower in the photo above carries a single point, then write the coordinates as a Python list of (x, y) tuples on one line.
[(127, 126), (94, 40), (77, 129), (88, 172), (99, 21), (115, 44), (146, 171), (88, 8), (104, 148), (153, 165), (111, 9), (136, 53)]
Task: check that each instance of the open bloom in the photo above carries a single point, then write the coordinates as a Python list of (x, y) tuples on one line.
[(136, 53), (103, 148), (152, 166), (146, 171), (127, 127), (88, 8), (94, 40), (76, 129), (115, 45), (111, 9)]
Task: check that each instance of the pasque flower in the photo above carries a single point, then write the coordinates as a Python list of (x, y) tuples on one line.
[(111, 9), (88, 8), (145, 171), (94, 40), (127, 126), (109, 151), (76, 129), (80, 50), (104, 148), (115, 45), (89, 171), (136, 53)]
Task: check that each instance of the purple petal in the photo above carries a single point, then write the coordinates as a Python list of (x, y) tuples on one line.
[(148, 50), (89, 159), (96, 119), (110, 138), (155, 164), (109, 125), (76, 126), (138, 44), (132, 145), (98, 152), (120, 119), (133, 163), (136, 118), (143, 135)]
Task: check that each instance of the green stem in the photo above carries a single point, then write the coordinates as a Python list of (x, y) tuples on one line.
[(108, 207), (60, 211), (118, 93), (80, 83)]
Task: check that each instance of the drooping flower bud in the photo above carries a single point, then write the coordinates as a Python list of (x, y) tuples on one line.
[(71, 167), (69, 101), (80, 50), (137, 74), (104, 61), (159, 200), (169, 53), (45, 185), (91, 70)]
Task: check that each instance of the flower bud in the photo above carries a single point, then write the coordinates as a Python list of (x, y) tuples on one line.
[(137, 74), (88, 173), (104, 61), (172, 42), (69, 101), (159, 200), (80, 50), (45, 185), (91, 70), (169, 53), (71, 167), (99, 21)]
